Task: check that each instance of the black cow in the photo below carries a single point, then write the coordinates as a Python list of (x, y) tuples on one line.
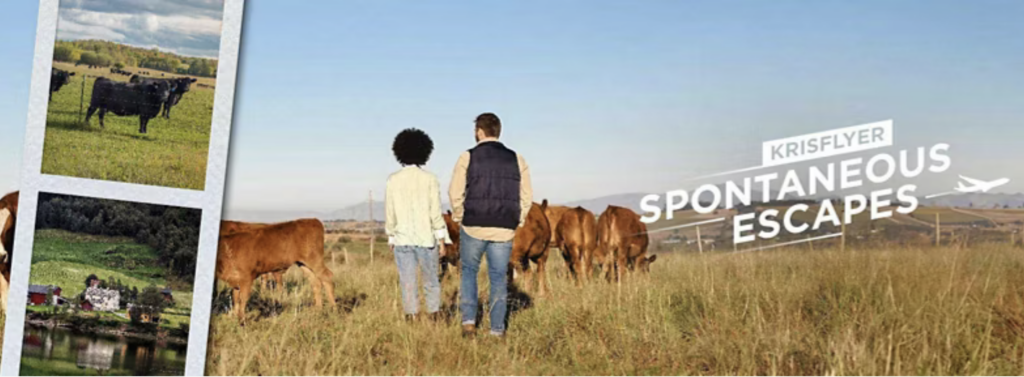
[(59, 78), (179, 87), (128, 99)]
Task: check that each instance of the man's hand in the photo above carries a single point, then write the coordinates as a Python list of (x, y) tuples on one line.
[(440, 249), (392, 247)]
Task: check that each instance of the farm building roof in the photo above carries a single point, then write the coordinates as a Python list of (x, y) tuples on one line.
[(41, 288)]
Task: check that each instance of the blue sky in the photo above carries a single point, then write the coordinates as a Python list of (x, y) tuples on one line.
[(601, 97)]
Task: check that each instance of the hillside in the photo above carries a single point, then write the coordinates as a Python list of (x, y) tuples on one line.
[(113, 54), (361, 212), (66, 259)]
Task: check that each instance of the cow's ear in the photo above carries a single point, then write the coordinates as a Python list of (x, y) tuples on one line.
[(544, 204), (449, 212), (652, 258), (72, 74), (193, 80)]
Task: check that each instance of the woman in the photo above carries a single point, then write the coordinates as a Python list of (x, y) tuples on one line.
[(415, 228)]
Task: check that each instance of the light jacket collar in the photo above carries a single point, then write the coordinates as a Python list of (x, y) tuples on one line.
[(487, 140)]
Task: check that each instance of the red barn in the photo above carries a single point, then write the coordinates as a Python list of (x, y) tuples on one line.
[(37, 294)]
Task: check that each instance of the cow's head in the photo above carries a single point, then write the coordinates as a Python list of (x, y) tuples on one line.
[(183, 84), (645, 263), (60, 78)]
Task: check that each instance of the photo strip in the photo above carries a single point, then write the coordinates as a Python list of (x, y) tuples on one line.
[(124, 164)]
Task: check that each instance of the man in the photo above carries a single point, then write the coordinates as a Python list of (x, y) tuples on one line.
[(490, 195)]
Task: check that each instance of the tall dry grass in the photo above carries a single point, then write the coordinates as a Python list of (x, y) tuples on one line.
[(877, 312)]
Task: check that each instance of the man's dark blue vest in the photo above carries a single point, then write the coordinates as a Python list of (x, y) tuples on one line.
[(492, 187)]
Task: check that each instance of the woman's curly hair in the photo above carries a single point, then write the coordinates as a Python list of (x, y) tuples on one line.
[(412, 147)]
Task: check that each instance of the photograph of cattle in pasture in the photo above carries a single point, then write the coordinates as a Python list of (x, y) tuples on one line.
[(131, 91), (600, 106), (110, 288)]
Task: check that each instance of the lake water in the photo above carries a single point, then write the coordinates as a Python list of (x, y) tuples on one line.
[(61, 352)]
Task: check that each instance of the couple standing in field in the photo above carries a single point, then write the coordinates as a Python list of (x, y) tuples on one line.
[(490, 195)]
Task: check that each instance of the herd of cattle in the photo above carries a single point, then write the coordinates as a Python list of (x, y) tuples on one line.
[(140, 96), (615, 241)]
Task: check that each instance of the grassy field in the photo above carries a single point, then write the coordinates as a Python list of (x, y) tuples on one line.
[(173, 153), (947, 216), (65, 259), (787, 311)]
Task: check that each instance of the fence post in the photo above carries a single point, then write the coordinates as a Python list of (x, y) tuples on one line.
[(81, 100), (700, 242), (373, 227), (842, 237), (937, 230)]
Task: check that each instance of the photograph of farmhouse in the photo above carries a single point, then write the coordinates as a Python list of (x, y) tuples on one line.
[(110, 288)]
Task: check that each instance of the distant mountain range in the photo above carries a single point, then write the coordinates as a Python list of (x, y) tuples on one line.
[(977, 200), (361, 211)]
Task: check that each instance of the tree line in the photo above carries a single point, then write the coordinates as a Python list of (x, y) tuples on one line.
[(173, 232), (112, 54)]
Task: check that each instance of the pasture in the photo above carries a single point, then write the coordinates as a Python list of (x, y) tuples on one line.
[(172, 154), (790, 311)]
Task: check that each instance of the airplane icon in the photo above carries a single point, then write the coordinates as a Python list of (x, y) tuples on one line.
[(979, 185)]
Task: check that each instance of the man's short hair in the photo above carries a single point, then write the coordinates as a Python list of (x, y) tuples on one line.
[(490, 124), (412, 147)]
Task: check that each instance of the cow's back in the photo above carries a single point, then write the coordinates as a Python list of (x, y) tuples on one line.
[(626, 232), (576, 228), (589, 227), (228, 227), (554, 215), (621, 228)]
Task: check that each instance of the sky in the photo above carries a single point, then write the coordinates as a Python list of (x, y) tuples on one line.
[(600, 97), (183, 27)]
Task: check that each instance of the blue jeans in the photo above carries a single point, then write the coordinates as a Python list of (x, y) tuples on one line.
[(408, 258), (498, 253)]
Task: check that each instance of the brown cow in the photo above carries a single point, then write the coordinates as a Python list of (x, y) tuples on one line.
[(554, 214), (451, 252), (621, 242), (8, 219), (531, 243), (575, 236), (231, 227), (244, 256)]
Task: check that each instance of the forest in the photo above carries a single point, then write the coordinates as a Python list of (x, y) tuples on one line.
[(112, 54), (173, 232)]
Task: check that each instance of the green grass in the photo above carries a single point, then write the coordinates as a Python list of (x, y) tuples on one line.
[(55, 367), (66, 259), (787, 311), (173, 153)]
